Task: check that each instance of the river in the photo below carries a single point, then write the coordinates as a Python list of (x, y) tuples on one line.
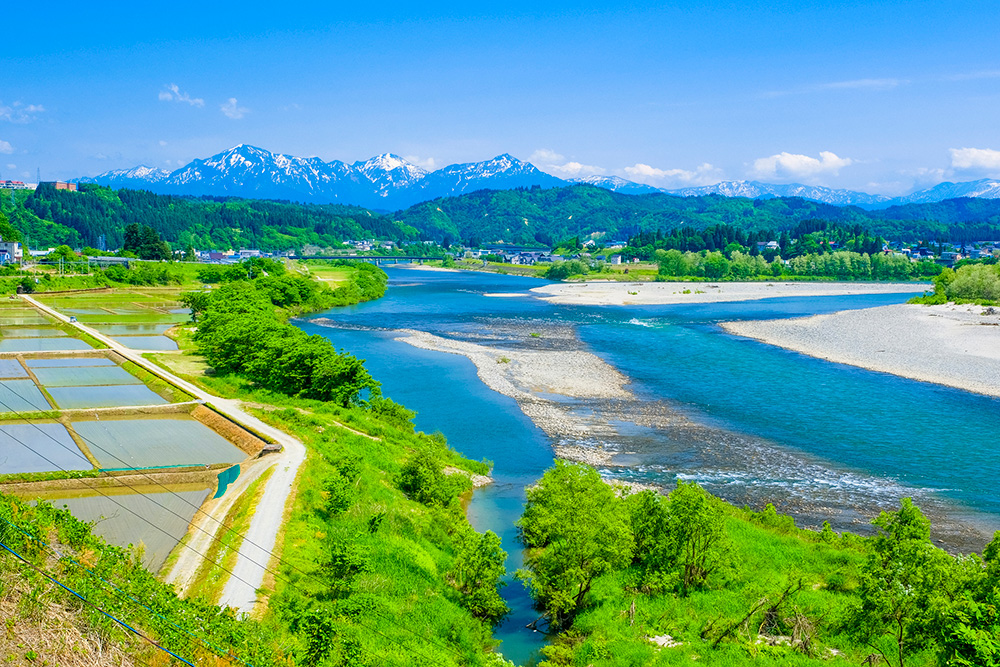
[(822, 441)]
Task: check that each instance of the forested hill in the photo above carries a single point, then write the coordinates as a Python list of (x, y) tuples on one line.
[(546, 215), (51, 217), (535, 216)]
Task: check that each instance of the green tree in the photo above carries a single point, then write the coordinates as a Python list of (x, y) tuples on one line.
[(575, 528), (900, 585), (197, 301), (969, 633), (63, 252), (478, 573), (696, 529)]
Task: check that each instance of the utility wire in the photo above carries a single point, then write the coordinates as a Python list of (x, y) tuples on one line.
[(276, 575), (92, 604), (211, 647)]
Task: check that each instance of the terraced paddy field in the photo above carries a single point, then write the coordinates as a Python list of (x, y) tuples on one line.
[(108, 417), (135, 318), (12, 368), (38, 447), (168, 441), (155, 343), (29, 332), (155, 520), (42, 344), (22, 396)]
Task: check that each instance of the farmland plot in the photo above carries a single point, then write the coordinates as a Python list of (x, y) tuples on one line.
[(21, 396), (68, 361), (155, 443), (38, 447), (132, 329), (31, 332), (11, 368), (154, 522), (159, 343), (84, 376), (113, 396), (41, 344)]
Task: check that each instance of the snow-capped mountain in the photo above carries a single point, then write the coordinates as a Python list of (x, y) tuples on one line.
[(389, 182), (504, 172), (141, 176), (386, 181), (616, 184), (389, 174), (756, 190), (987, 188)]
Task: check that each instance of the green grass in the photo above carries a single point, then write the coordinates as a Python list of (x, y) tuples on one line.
[(222, 555)]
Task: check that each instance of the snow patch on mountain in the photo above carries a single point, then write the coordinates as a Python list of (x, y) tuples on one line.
[(390, 182)]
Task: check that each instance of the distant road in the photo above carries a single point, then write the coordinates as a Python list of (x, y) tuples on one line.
[(258, 547)]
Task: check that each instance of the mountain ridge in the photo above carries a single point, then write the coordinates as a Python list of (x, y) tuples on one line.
[(390, 182)]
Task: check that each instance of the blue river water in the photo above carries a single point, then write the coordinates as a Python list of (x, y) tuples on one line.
[(750, 422)]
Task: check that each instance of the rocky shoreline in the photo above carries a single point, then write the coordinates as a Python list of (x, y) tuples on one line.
[(653, 293), (583, 404), (956, 346)]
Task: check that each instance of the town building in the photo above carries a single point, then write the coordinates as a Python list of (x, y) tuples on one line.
[(16, 185), (61, 185), (10, 252)]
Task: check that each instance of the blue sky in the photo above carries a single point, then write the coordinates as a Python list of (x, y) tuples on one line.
[(875, 96)]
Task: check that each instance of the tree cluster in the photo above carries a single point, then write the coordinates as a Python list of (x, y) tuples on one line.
[(576, 528), (241, 330)]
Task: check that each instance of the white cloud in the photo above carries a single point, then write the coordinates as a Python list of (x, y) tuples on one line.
[(852, 84), (18, 112), (233, 110), (12, 166), (430, 164), (704, 174), (173, 93), (975, 159), (574, 169), (792, 166), (162, 142), (545, 156), (553, 163), (5, 147), (862, 84)]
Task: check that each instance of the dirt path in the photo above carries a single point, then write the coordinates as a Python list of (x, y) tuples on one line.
[(257, 549)]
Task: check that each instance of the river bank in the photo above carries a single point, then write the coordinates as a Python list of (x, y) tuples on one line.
[(584, 405), (953, 345), (646, 293)]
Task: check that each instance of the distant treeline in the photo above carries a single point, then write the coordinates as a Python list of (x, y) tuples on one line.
[(532, 217), (53, 217), (544, 216)]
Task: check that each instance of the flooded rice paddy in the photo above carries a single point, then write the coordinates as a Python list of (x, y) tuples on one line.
[(38, 447), (68, 361), (177, 441), (154, 522), (82, 376), (112, 396), (12, 368), (41, 344), (44, 368), (21, 396), (158, 343)]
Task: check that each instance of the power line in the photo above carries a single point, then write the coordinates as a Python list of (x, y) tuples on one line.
[(242, 536), (92, 604), (276, 575), (232, 574), (209, 646)]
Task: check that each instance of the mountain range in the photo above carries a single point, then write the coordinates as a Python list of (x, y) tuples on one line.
[(388, 182)]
